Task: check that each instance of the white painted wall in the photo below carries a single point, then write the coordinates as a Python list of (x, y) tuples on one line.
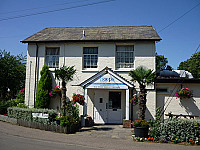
[(175, 105), (71, 54)]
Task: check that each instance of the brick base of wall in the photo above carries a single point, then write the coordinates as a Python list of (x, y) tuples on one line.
[(126, 123), (37, 125)]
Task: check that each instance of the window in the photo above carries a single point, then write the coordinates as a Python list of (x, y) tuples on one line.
[(52, 57), (161, 90), (90, 57), (114, 100), (124, 56)]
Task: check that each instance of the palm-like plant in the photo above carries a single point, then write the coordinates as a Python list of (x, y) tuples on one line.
[(143, 76), (65, 74)]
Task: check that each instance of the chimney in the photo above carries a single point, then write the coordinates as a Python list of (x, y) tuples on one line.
[(83, 33)]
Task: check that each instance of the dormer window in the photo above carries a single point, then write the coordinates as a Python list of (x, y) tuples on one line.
[(52, 57), (124, 56)]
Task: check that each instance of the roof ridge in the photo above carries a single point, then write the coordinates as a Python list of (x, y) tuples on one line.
[(100, 26)]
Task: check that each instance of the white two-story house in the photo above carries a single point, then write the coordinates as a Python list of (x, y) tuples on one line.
[(102, 56)]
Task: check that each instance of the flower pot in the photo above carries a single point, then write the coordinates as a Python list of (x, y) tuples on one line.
[(141, 131)]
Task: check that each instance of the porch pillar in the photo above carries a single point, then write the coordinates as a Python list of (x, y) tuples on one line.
[(85, 103), (127, 104)]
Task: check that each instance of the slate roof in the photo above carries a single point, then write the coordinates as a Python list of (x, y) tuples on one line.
[(106, 33)]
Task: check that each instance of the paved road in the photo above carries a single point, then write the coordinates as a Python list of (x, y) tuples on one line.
[(13, 137)]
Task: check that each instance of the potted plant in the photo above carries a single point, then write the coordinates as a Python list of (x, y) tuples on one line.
[(184, 93), (55, 91), (141, 128), (78, 98)]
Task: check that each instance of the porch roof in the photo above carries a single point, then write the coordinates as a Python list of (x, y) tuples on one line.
[(103, 72)]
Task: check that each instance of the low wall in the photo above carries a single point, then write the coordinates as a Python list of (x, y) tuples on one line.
[(7, 119), (37, 125)]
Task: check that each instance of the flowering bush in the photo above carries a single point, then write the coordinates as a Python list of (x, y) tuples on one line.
[(184, 93), (21, 95), (134, 99), (55, 91), (77, 98), (140, 123)]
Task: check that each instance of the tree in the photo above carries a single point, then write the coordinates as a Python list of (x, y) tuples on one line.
[(169, 68), (65, 74), (192, 65), (12, 74), (44, 87), (144, 77), (161, 63)]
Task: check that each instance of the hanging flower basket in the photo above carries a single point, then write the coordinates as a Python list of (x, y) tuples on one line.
[(55, 91), (134, 99), (184, 93), (78, 98)]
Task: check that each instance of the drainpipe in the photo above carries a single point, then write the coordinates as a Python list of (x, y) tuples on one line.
[(36, 70), (29, 84)]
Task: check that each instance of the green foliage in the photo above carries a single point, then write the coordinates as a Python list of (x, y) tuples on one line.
[(142, 75), (12, 74), (22, 105), (5, 104), (182, 129), (65, 73), (67, 120), (72, 110), (161, 63), (44, 87), (21, 95), (140, 123), (26, 114), (155, 124), (192, 65), (72, 115)]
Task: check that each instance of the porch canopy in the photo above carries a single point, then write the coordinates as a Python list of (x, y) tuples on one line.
[(107, 79)]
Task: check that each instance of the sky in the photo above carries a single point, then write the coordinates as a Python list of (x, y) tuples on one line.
[(176, 21)]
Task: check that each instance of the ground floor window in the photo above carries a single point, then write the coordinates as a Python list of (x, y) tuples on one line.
[(114, 100)]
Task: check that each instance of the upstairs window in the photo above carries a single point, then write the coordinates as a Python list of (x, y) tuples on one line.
[(52, 57), (124, 56), (90, 57)]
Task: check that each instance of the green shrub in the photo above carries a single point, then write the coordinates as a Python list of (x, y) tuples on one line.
[(44, 87), (26, 114), (140, 123), (67, 120), (72, 110), (5, 104), (22, 105), (184, 130), (155, 124), (72, 115), (20, 96)]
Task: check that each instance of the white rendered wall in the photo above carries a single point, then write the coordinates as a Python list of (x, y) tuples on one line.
[(71, 55), (175, 105)]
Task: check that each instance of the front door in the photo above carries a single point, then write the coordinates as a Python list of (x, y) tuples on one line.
[(114, 111), (100, 104)]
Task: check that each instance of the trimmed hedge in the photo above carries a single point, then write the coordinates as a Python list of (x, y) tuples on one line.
[(26, 114), (184, 130)]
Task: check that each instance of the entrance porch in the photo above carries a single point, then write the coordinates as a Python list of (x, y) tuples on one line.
[(109, 95)]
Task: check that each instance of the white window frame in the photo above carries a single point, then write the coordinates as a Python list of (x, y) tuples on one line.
[(91, 64), (52, 60), (122, 56)]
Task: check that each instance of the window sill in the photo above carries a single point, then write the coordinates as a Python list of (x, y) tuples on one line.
[(53, 69), (123, 69), (90, 70)]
